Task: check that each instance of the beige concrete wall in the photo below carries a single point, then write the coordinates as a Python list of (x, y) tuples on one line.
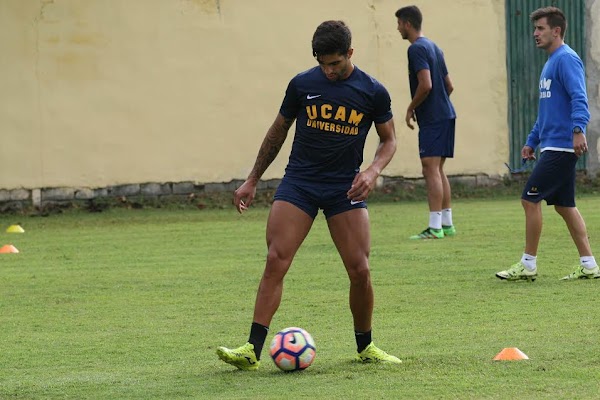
[(104, 92)]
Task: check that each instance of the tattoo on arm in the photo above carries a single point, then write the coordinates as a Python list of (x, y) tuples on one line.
[(271, 145)]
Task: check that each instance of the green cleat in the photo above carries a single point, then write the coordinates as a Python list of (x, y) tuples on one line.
[(449, 230), (373, 354), (429, 233), (242, 358), (583, 273), (517, 272)]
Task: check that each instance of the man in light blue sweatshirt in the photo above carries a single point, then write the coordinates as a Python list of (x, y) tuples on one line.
[(559, 131)]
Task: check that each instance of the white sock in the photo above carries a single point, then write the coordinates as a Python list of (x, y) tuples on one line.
[(447, 217), (529, 261), (588, 262), (435, 219)]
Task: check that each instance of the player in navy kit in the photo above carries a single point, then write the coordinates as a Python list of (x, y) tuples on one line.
[(430, 86), (334, 106)]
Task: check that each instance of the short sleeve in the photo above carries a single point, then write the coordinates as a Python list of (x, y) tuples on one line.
[(417, 58), (443, 67), (291, 104), (383, 105)]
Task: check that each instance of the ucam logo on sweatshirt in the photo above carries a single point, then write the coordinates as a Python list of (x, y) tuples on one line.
[(545, 88)]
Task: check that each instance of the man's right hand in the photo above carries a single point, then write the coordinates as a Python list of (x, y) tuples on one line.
[(527, 153), (410, 116)]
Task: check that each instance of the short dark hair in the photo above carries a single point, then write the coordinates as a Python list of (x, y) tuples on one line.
[(331, 37), (411, 14), (554, 16)]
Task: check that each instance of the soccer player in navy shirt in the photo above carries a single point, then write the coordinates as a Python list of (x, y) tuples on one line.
[(430, 86), (559, 132), (334, 105)]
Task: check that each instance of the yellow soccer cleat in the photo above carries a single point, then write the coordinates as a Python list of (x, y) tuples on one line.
[(242, 358), (373, 354)]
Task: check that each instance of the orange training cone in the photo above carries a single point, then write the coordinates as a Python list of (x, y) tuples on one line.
[(15, 229), (511, 354), (8, 248)]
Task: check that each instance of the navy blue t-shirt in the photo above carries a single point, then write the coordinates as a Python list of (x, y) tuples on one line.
[(424, 54), (333, 119)]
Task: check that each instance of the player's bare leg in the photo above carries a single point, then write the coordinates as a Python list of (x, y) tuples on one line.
[(533, 226), (577, 229), (447, 223), (446, 190), (588, 267), (526, 269), (351, 234), (432, 172), (431, 168), (287, 228)]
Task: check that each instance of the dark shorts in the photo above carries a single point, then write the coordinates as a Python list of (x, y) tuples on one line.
[(552, 179), (310, 197), (437, 139)]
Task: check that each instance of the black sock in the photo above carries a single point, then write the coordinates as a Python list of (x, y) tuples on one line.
[(258, 335), (363, 339)]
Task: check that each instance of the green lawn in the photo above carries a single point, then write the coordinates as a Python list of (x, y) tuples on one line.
[(131, 304)]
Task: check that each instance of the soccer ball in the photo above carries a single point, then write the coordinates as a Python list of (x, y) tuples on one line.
[(293, 349)]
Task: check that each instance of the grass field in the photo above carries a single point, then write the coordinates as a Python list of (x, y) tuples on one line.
[(131, 304)]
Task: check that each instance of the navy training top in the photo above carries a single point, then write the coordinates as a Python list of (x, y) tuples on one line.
[(333, 119), (424, 54)]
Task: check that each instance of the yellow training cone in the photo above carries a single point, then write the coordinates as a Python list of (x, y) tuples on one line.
[(15, 229), (511, 354), (8, 248)]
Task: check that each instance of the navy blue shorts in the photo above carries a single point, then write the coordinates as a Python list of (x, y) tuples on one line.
[(437, 139), (552, 179), (310, 197)]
